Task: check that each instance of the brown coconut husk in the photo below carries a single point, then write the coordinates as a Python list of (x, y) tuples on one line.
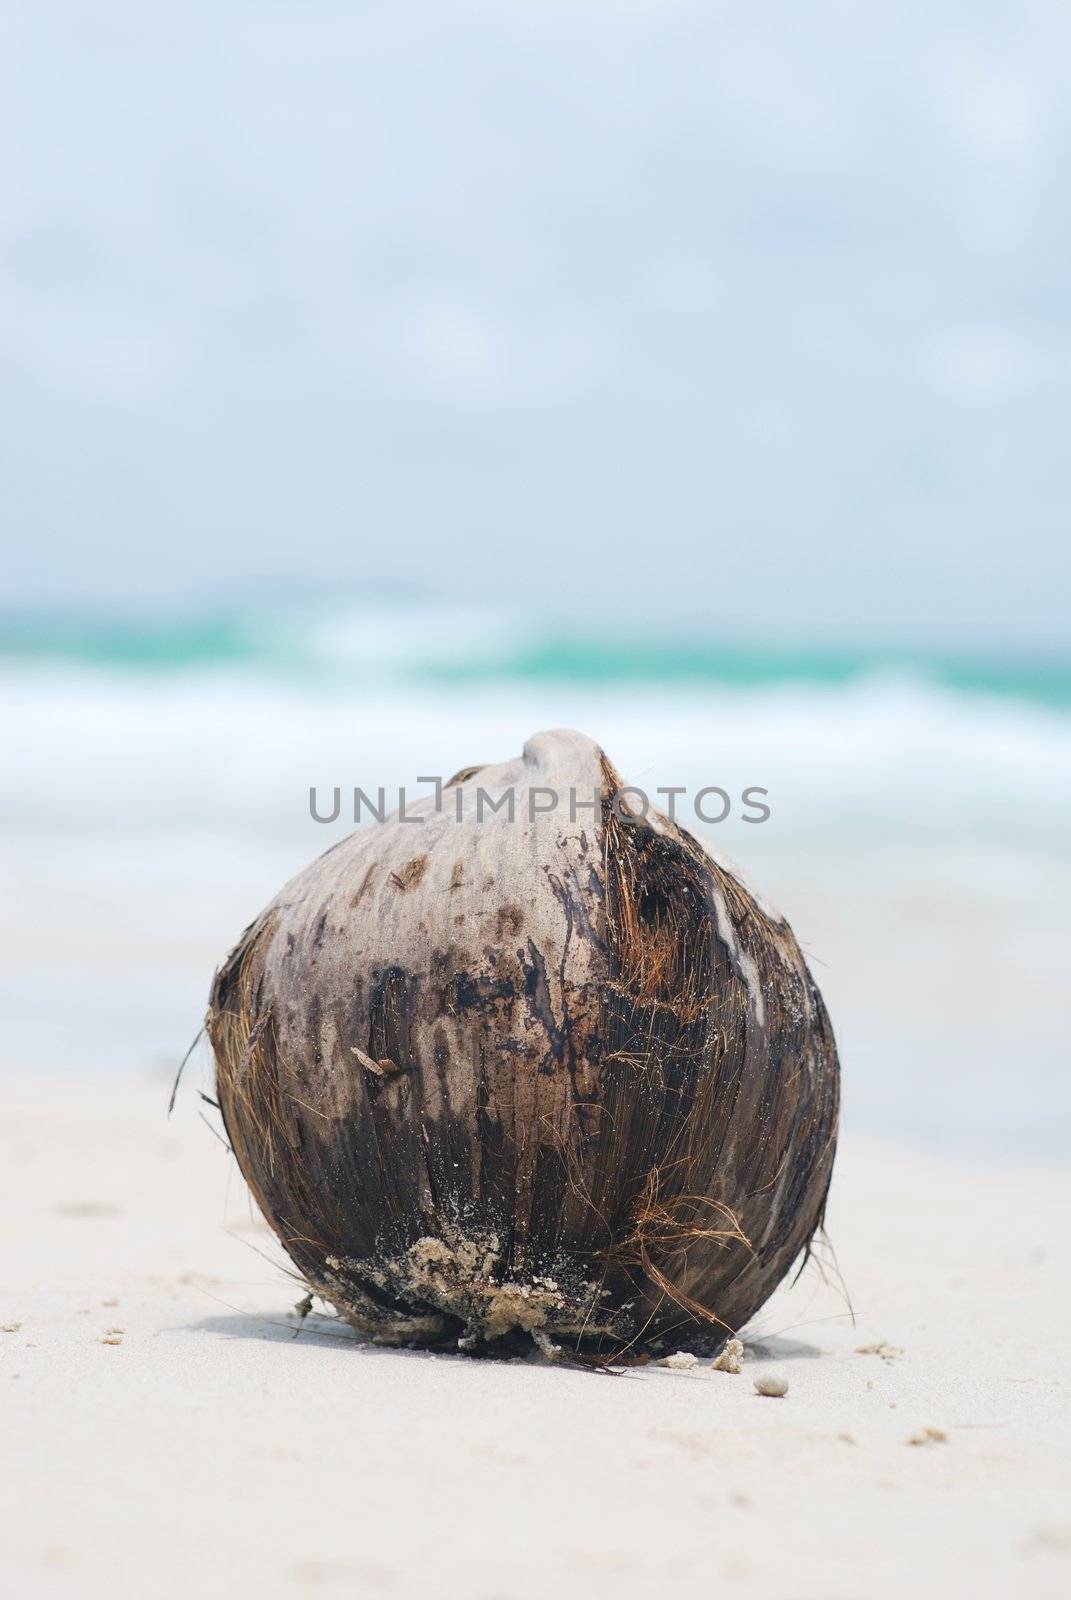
[(499, 1081)]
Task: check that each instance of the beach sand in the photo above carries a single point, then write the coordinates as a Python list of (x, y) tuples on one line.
[(210, 1448)]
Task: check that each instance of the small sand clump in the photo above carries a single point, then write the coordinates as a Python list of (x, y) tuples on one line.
[(681, 1361), (731, 1359), (929, 1436), (888, 1352)]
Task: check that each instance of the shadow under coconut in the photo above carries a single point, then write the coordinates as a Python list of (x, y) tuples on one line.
[(324, 1330), (778, 1349), (275, 1330)]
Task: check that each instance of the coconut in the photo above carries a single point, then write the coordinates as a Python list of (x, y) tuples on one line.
[(508, 1074)]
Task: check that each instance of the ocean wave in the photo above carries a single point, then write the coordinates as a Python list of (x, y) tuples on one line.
[(390, 641), (919, 840), (882, 756)]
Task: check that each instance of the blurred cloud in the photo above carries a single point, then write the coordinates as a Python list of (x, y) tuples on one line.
[(986, 365), (750, 314)]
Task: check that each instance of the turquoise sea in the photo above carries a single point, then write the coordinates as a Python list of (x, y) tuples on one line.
[(415, 644), (155, 793)]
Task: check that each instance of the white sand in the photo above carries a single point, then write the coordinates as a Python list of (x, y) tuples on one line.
[(210, 1452)]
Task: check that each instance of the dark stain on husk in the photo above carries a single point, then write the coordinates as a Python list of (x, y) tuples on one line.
[(594, 1104)]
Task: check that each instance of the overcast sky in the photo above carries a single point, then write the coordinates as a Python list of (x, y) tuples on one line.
[(755, 314)]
